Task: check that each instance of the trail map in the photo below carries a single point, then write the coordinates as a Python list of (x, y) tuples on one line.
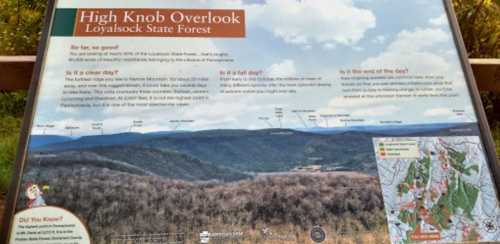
[(437, 189)]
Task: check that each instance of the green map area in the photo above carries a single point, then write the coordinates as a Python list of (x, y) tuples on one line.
[(438, 196)]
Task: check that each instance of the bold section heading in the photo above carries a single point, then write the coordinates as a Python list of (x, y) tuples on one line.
[(151, 22)]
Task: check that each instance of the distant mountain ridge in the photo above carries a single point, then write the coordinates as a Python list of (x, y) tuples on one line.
[(270, 150), (139, 161), (56, 142), (218, 154), (386, 129), (42, 140)]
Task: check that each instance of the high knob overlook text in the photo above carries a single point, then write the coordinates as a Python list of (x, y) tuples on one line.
[(177, 17)]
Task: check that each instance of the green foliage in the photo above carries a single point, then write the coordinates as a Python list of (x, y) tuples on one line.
[(20, 26), (480, 25), (12, 103), (8, 146), (11, 110), (496, 136), (491, 102)]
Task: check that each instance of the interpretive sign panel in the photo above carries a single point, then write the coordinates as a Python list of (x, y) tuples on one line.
[(252, 121)]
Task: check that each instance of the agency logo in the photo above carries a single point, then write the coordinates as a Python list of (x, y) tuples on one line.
[(317, 234), (206, 236)]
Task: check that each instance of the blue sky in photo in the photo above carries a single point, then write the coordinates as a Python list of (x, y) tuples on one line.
[(286, 38)]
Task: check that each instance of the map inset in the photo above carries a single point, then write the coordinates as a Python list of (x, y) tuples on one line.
[(437, 189)]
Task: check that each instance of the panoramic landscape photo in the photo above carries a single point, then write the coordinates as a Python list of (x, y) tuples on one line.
[(267, 186)]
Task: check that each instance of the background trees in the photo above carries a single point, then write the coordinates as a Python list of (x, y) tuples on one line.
[(20, 26), (480, 25), (11, 110)]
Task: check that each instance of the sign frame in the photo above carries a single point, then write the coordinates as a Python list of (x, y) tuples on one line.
[(15, 186)]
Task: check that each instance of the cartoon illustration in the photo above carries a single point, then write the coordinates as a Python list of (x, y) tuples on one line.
[(34, 195)]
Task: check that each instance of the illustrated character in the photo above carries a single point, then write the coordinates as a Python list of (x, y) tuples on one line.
[(34, 195)]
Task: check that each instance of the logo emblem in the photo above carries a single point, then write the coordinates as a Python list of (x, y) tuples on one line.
[(318, 235)]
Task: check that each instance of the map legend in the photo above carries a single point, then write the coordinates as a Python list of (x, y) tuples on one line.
[(398, 149)]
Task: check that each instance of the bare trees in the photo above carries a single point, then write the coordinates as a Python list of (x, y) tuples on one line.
[(113, 203)]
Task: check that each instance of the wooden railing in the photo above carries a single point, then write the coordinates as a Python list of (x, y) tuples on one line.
[(487, 73), (15, 73)]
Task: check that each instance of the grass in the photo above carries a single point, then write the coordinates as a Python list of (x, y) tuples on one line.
[(11, 110), (496, 137), (8, 146)]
